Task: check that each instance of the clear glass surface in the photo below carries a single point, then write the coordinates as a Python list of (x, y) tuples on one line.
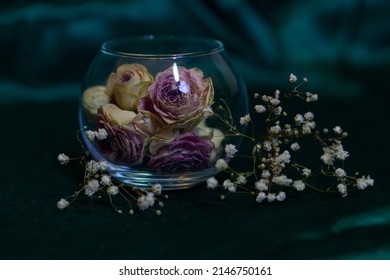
[(160, 109)]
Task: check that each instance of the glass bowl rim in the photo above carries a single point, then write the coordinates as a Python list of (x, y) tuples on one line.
[(215, 46)]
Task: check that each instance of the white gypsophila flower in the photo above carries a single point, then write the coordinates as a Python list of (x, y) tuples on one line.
[(262, 185), (63, 159), (241, 180), (299, 185), (342, 155), (221, 164), (93, 184), (265, 174), (339, 152), (278, 110), (260, 197), (337, 130), (212, 183), (271, 197), (260, 109), (156, 188), (276, 129), (105, 180), (281, 180), (342, 190), (208, 112), (150, 199), (256, 95), (306, 130), (142, 203), (310, 124), (90, 135), (93, 166), (295, 146), (230, 150), (305, 79), (62, 204), (256, 148), (92, 187), (89, 192), (283, 157), (298, 119), (112, 190), (364, 182), (266, 98), (326, 131), (232, 188), (292, 78), (310, 97), (340, 172), (267, 146), (327, 157), (306, 172), (101, 134), (275, 101), (281, 196), (228, 184), (309, 116), (277, 93), (245, 119), (103, 166)]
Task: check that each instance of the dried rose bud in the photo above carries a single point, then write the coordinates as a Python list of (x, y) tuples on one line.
[(128, 84), (94, 97), (116, 115)]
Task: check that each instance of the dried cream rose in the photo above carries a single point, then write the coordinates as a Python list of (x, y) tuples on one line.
[(116, 115), (128, 84), (94, 97)]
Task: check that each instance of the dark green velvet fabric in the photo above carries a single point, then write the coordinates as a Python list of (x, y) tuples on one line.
[(195, 224), (46, 46)]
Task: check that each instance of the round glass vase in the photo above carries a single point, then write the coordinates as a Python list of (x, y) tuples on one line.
[(162, 109)]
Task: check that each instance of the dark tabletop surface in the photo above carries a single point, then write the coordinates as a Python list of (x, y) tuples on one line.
[(195, 223)]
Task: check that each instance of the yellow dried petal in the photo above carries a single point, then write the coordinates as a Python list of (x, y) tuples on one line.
[(115, 115), (127, 97), (217, 134), (94, 97)]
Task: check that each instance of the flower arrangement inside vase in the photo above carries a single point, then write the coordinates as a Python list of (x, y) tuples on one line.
[(147, 115), (158, 122)]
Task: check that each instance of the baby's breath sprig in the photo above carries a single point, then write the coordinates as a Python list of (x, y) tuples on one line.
[(97, 181), (275, 167), (226, 117)]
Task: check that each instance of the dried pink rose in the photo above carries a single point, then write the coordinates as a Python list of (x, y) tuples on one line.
[(178, 97), (124, 143), (186, 152)]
